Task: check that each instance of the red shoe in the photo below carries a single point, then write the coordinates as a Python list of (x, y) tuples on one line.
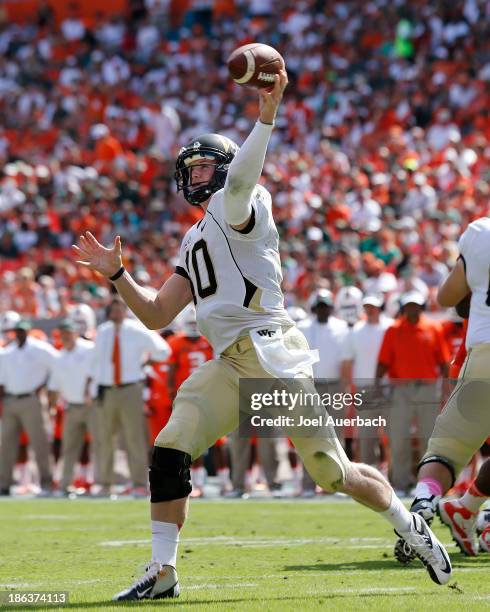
[(462, 524), (484, 539)]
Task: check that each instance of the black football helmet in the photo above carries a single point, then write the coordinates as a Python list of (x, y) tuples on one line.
[(206, 146)]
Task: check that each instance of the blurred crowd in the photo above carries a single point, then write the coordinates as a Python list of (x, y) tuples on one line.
[(379, 160)]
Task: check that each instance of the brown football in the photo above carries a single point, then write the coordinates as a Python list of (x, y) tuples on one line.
[(255, 65)]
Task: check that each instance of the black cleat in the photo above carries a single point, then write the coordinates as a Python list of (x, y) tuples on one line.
[(158, 582), (426, 507), (428, 549)]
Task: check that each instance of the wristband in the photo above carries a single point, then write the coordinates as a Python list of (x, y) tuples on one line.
[(270, 124), (118, 274)]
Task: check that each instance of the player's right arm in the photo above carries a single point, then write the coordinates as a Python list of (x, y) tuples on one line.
[(455, 288), (154, 309), (246, 167)]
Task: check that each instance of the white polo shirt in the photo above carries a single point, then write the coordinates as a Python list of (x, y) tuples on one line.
[(25, 369), (71, 371), (362, 345), (137, 344), (328, 338)]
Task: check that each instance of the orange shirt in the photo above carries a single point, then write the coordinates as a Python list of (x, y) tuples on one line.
[(107, 149), (454, 333), (188, 354), (414, 351), (159, 395)]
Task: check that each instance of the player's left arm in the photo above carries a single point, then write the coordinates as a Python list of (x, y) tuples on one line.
[(455, 288), (246, 167)]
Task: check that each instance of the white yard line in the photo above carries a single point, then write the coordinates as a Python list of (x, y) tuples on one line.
[(373, 590), (263, 542), (53, 517), (59, 586), (369, 591), (197, 587)]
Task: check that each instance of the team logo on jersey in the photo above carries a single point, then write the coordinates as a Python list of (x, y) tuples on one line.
[(267, 332)]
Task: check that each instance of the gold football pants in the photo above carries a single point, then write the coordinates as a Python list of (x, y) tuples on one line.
[(207, 407)]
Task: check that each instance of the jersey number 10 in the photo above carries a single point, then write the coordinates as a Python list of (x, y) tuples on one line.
[(199, 254)]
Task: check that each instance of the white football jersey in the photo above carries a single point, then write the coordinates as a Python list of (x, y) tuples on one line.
[(235, 275), (474, 246)]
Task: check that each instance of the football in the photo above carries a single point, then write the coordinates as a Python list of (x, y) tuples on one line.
[(255, 65)]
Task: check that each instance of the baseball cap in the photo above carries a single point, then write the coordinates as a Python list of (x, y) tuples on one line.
[(23, 325), (412, 297), (373, 300), (322, 296), (68, 324), (9, 320)]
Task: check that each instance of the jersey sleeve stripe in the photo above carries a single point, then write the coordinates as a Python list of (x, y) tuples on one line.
[(182, 272), (250, 225), (464, 262)]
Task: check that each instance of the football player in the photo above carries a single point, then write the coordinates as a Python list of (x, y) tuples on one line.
[(230, 267), (464, 423)]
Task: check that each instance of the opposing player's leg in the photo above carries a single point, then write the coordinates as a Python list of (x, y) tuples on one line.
[(459, 431), (460, 515), (200, 416)]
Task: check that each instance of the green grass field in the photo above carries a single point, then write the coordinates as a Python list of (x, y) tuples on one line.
[(244, 555)]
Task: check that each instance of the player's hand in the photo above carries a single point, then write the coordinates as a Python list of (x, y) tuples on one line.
[(96, 257), (269, 100)]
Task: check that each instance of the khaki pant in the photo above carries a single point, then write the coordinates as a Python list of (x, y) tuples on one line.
[(409, 403), (240, 458), (122, 407), (77, 423), (464, 423), (23, 413), (207, 407)]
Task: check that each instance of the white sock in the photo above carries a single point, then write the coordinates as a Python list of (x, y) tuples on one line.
[(397, 514), (164, 542)]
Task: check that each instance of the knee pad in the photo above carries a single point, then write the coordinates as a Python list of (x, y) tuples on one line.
[(438, 459), (170, 476)]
